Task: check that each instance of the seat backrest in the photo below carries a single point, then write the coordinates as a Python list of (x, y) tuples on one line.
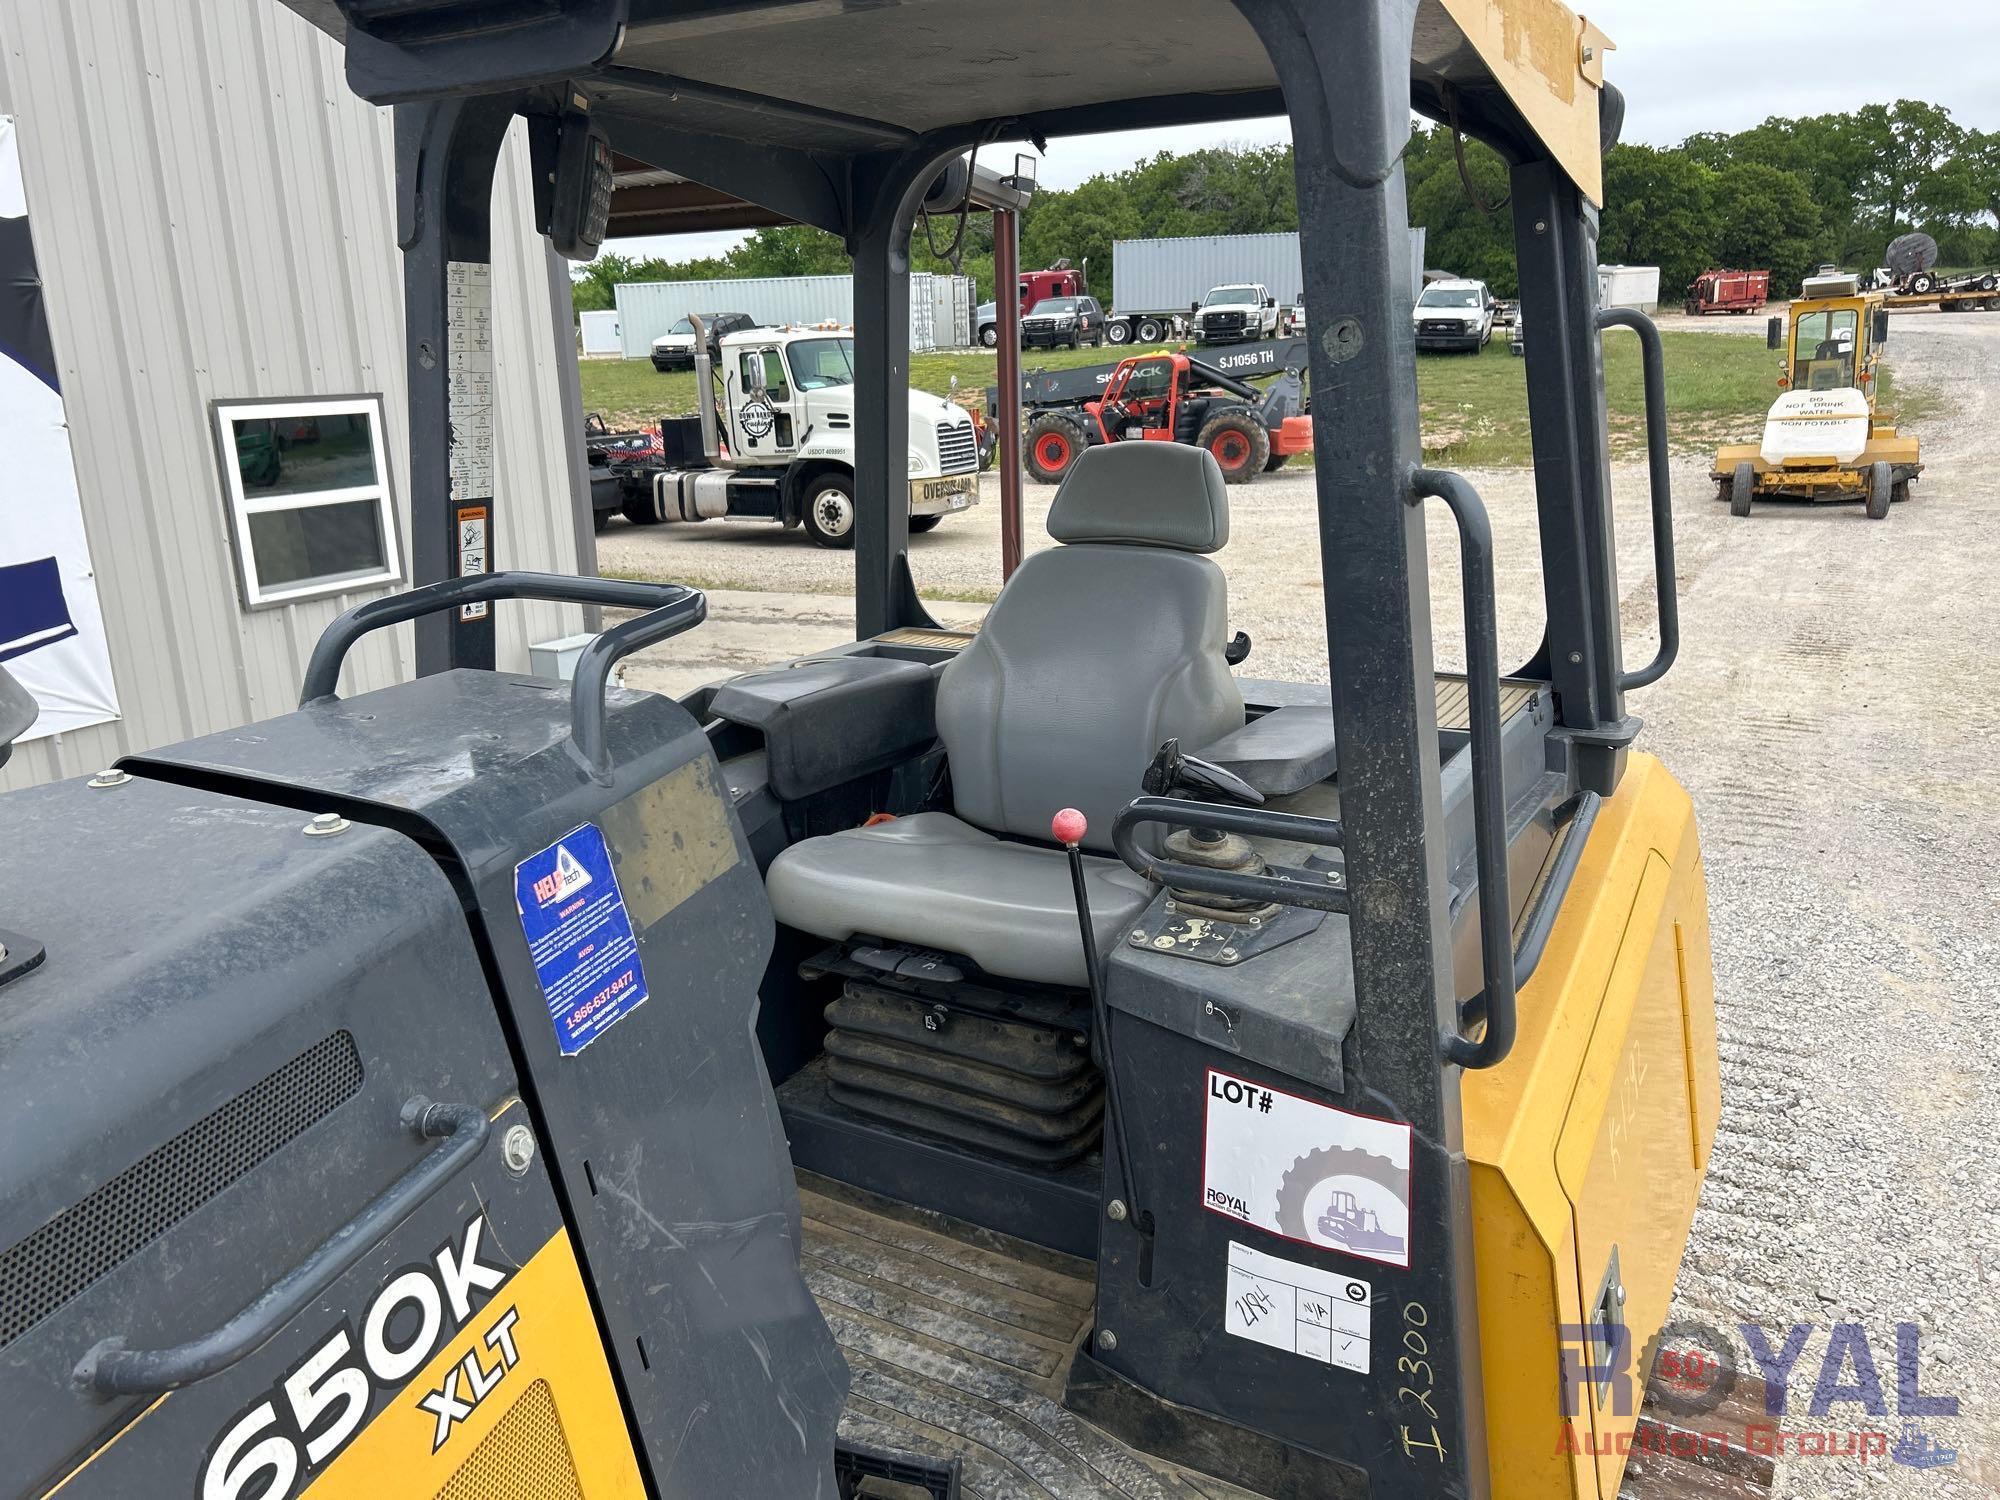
[(1098, 650)]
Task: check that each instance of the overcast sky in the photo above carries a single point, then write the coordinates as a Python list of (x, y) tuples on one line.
[(1684, 66)]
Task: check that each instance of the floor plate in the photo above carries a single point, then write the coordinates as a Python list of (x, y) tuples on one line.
[(959, 1340)]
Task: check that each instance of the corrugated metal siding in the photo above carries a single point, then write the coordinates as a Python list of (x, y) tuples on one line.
[(213, 215), (1164, 276), (647, 309)]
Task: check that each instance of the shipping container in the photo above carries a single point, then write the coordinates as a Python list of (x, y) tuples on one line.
[(600, 333), (1636, 287), (1165, 277), (940, 306)]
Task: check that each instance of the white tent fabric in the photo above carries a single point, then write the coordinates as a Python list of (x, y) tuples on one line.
[(51, 629)]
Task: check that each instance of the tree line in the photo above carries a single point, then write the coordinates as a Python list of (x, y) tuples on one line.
[(1783, 196)]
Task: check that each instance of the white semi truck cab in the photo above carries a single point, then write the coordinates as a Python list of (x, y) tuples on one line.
[(774, 438)]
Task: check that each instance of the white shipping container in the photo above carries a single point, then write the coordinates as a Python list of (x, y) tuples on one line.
[(1636, 287), (1166, 276), (940, 306), (600, 333)]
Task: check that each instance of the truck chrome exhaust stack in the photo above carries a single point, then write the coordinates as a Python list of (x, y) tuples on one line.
[(704, 385)]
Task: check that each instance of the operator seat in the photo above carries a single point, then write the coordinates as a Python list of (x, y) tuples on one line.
[(1094, 654)]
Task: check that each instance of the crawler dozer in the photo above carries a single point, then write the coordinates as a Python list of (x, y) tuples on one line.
[(1045, 1060), (1823, 439)]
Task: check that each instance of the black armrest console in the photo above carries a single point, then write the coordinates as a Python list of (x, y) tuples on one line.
[(1284, 751), (829, 719)]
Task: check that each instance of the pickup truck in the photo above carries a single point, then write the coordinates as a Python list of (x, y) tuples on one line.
[(674, 349), (1236, 314), (1454, 315)]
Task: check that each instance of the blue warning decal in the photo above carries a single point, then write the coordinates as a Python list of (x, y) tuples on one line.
[(580, 934)]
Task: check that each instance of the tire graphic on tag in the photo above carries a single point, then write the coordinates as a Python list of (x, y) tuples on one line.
[(1346, 1199)]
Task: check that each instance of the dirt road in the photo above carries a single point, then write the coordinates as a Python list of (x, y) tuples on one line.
[(1832, 714)]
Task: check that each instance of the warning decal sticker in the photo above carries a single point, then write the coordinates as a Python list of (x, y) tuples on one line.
[(1311, 1173), (1315, 1314), (580, 936)]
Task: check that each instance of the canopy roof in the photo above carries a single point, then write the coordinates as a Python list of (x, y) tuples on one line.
[(841, 78)]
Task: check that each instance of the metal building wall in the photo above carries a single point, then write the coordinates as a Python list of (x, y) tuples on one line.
[(213, 216)]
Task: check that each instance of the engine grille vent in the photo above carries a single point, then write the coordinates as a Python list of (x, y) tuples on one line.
[(958, 449), (90, 1238), (525, 1457)]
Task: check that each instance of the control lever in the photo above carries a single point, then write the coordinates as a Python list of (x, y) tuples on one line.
[(1174, 773), (1068, 827)]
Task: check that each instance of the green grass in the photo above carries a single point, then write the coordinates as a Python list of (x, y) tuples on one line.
[(1474, 407)]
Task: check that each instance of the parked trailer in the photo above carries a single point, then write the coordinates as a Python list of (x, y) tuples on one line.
[(1911, 279), (1728, 291), (1156, 282), (1971, 295), (940, 306), (1636, 287)]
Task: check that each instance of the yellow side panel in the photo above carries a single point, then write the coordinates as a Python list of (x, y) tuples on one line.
[(1888, 447), (1593, 1132), (1627, 1156), (550, 1428), (1527, 1287)]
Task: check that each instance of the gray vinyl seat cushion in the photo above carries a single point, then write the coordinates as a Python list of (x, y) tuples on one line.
[(933, 880), (1096, 652)]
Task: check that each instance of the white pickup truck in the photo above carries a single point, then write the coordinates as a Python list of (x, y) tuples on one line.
[(774, 438), (1236, 314)]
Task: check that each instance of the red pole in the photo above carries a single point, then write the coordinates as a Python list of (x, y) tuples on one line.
[(1007, 317)]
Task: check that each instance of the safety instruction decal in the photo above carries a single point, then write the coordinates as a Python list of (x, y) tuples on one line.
[(580, 935), (1306, 1171), (1317, 1315), (472, 554)]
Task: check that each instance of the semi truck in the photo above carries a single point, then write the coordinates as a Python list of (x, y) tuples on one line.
[(774, 439), (1036, 287)]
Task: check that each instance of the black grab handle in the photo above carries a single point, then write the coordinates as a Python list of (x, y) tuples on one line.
[(1489, 791), (1318, 890), (111, 1369), (1652, 361), (671, 608)]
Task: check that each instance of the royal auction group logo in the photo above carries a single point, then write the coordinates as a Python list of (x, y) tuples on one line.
[(1798, 1390)]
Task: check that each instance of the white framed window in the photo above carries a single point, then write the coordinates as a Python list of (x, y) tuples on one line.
[(310, 509)]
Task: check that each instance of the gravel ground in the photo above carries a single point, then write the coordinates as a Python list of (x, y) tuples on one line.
[(1829, 715)]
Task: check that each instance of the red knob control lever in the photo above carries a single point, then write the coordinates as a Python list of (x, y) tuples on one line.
[(1069, 826)]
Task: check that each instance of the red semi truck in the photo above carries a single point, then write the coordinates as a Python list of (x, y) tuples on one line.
[(1059, 280), (1729, 291)]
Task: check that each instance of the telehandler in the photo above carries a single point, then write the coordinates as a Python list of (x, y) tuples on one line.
[(1822, 439), (1039, 1061), (1165, 396)]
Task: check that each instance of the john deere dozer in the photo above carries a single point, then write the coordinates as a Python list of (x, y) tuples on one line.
[(1040, 1061)]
